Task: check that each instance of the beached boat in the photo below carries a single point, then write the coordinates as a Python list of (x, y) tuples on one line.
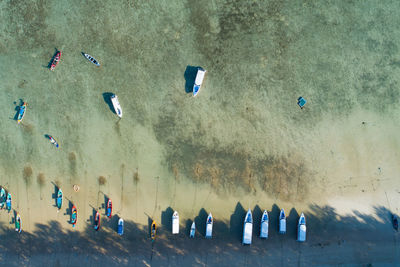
[(97, 221), (175, 223), (116, 105), (282, 222), (193, 230), (55, 60), (53, 141), (209, 225), (264, 225), (74, 215), (199, 80), (21, 112), (301, 229), (18, 222), (109, 208), (8, 202), (59, 198), (2, 197), (153, 230), (247, 228), (91, 59), (120, 229)]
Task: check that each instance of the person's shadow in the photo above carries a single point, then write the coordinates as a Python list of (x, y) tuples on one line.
[(190, 76)]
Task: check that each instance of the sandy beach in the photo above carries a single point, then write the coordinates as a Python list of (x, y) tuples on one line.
[(242, 143)]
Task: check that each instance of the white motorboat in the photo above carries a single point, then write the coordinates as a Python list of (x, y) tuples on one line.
[(193, 230), (264, 225), (209, 225), (301, 229), (116, 105), (247, 228), (199, 80), (91, 59), (282, 222), (175, 223)]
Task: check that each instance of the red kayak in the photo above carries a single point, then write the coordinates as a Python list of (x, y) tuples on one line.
[(55, 61), (97, 221), (109, 208)]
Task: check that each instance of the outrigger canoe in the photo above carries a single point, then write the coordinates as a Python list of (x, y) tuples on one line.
[(97, 221), (193, 230), (59, 198), (55, 60), (153, 230), (18, 221), (92, 59), (53, 141), (21, 112), (2, 197), (116, 105), (74, 215), (8, 202), (109, 208), (120, 229)]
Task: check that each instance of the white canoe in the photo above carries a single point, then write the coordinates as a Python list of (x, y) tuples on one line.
[(199, 80), (301, 229), (193, 230), (209, 225), (264, 225), (116, 105), (282, 222), (175, 223), (247, 228)]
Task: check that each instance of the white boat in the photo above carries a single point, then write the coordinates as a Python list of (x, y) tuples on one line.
[(264, 225), (301, 229), (175, 223), (209, 225), (193, 230), (91, 59), (116, 105), (247, 228), (120, 229), (199, 80), (282, 222)]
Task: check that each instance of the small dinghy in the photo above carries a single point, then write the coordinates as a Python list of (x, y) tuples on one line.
[(395, 222), (282, 222), (175, 223), (116, 105), (209, 225), (264, 225), (120, 229), (2, 197), (74, 215), (193, 230), (97, 221), (301, 229), (91, 59), (55, 60), (248, 228), (109, 208), (153, 231), (21, 112), (8, 202), (199, 80), (18, 221), (59, 198), (52, 140)]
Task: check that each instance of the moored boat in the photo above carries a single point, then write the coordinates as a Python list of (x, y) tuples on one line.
[(8, 202), (2, 197), (175, 223), (153, 231), (74, 215), (264, 225), (59, 198), (21, 112), (120, 229), (116, 105), (282, 222), (18, 222), (209, 225), (395, 222), (199, 80), (97, 221), (92, 59), (55, 60), (248, 228), (193, 230), (52, 140), (109, 208), (301, 229)]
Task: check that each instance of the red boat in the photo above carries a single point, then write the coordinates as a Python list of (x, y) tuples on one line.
[(109, 208), (55, 61), (97, 221)]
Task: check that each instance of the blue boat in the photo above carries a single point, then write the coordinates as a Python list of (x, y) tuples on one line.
[(21, 112), (120, 229), (198, 81), (8, 202), (2, 197), (59, 198)]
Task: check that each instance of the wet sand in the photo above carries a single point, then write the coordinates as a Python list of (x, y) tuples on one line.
[(241, 143)]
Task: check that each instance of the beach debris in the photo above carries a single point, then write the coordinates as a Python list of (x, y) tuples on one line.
[(301, 102), (76, 187), (199, 80), (56, 58)]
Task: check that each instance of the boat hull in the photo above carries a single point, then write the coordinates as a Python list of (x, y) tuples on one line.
[(248, 228), (116, 105)]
